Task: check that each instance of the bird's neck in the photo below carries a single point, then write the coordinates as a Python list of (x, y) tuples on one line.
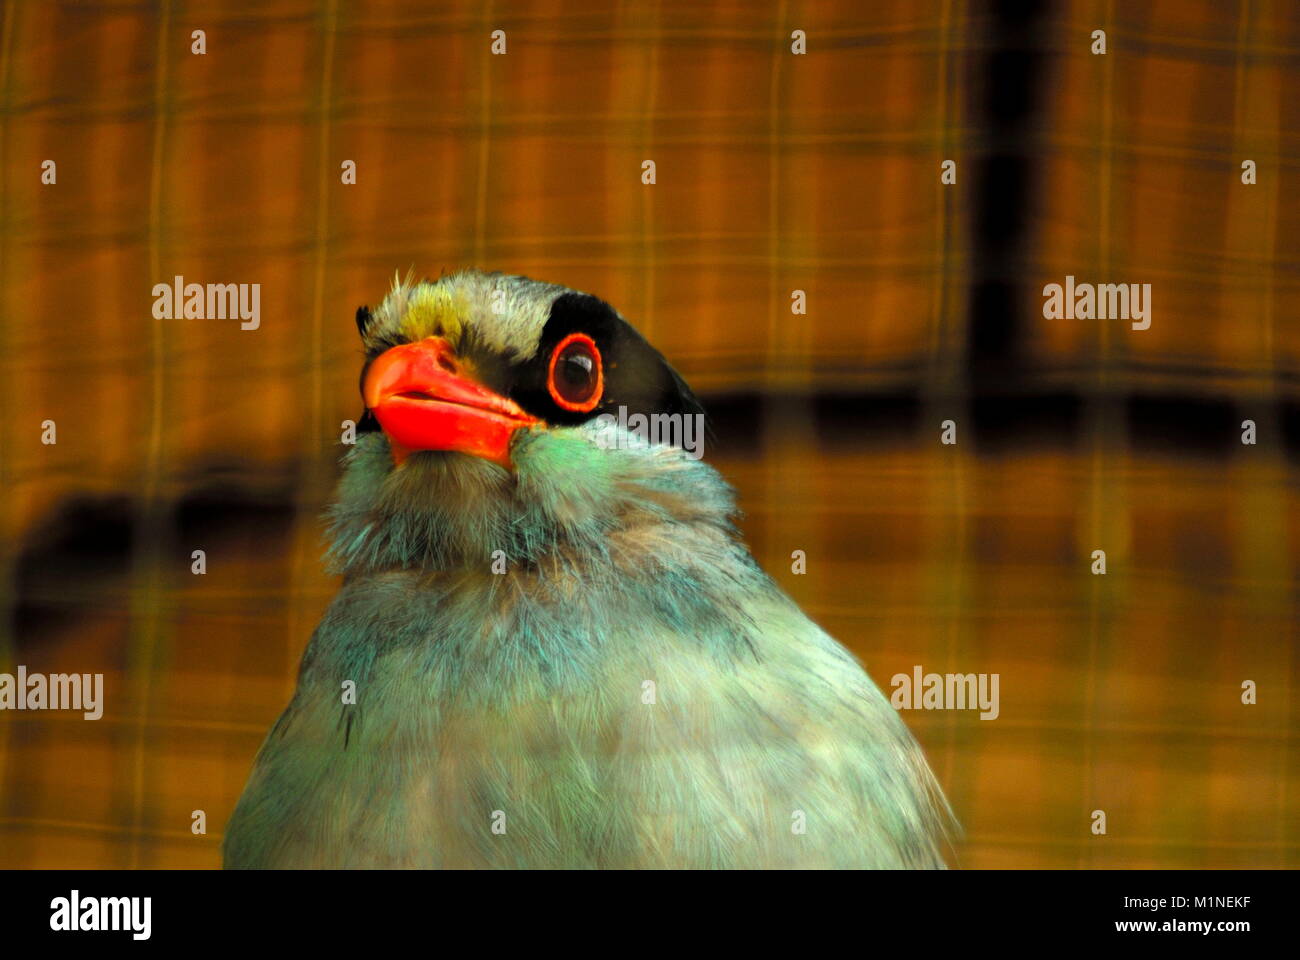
[(570, 502)]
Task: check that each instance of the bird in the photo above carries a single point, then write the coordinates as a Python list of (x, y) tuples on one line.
[(551, 647)]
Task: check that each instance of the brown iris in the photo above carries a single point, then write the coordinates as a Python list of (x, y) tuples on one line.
[(575, 378)]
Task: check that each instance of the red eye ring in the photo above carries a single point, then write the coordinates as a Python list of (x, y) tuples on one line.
[(586, 346)]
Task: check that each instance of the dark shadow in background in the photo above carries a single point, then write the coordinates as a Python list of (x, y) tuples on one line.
[(1007, 108), (78, 563)]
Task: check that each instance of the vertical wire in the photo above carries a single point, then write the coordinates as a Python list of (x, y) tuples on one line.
[(1102, 420), (146, 597), (651, 101), (773, 473), (7, 445), (484, 139), (1266, 567), (945, 394), (313, 479), (943, 233)]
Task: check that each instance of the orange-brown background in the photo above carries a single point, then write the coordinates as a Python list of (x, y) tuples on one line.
[(775, 173)]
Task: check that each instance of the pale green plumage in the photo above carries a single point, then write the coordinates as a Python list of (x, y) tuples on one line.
[(523, 693)]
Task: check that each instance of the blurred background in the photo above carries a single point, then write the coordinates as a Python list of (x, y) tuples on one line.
[(775, 172)]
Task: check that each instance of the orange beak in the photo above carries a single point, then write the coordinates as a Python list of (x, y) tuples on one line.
[(422, 399)]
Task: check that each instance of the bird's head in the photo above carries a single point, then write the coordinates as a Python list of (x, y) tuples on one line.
[(464, 364), (497, 412)]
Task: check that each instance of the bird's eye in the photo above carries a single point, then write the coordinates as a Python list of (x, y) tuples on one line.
[(575, 379)]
